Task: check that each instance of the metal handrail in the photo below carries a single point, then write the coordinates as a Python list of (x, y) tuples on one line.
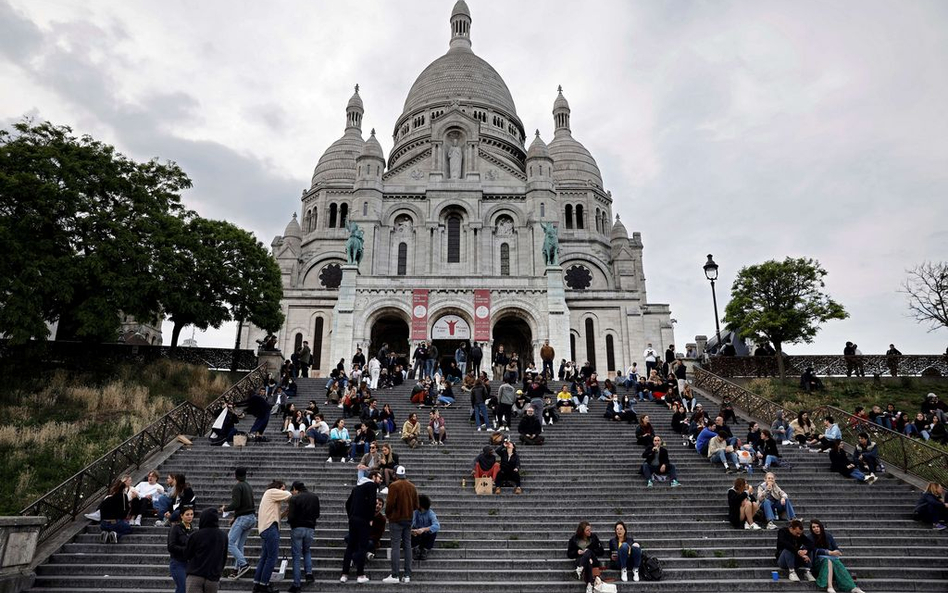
[(833, 365), (910, 455), (62, 504)]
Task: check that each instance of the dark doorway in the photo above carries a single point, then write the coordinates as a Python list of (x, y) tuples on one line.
[(393, 330), (513, 333), (446, 350)]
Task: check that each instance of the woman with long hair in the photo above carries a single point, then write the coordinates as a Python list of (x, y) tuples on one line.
[(826, 563), (114, 513), (931, 508), (388, 464), (803, 428), (169, 508), (177, 543), (742, 505), (585, 549), (622, 547), (339, 441), (411, 430), (644, 431), (387, 420)]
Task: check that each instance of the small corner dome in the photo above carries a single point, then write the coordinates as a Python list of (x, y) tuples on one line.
[(293, 228), (338, 163), (355, 101), (572, 163), (560, 102), (461, 9), (372, 148), (538, 148), (619, 231)]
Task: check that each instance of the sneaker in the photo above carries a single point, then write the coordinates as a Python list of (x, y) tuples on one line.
[(104, 537), (938, 526), (786, 443), (294, 589), (648, 484), (310, 578), (94, 516), (809, 576), (675, 484), (589, 588), (390, 580), (406, 579), (479, 429), (625, 575), (579, 572), (344, 578), (310, 446), (370, 555), (771, 525), (113, 537), (751, 526), (793, 577), (635, 575), (507, 428), (137, 521), (857, 590), (225, 444), (871, 478), (329, 460), (362, 579), (160, 523), (830, 589), (423, 554), (241, 570)]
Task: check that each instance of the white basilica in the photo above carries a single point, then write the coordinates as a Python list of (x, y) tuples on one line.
[(452, 230)]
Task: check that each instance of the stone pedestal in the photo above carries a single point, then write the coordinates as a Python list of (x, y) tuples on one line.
[(19, 537), (341, 345), (701, 344), (558, 314), (273, 359)]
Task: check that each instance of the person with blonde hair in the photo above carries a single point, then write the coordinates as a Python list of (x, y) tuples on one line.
[(931, 507), (773, 500)]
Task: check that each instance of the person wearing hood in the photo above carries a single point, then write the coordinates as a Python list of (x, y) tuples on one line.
[(782, 430), (360, 508), (486, 465), (223, 429), (206, 553), (177, 545)]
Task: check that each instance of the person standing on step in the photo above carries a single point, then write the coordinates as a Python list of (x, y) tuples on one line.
[(177, 543), (773, 500), (375, 371), (206, 553), (305, 358), (424, 529), (657, 463), (547, 355), (479, 395), (418, 360), (400, 506), (476, 356), (826, 563), (460, 358), (500, 363), (302, 514), (650, 356), (585, 549), (742, 505), (245, 518), (360, 508), (622, 548), (506, 398), (431, 362), (268, 526), (793, 551)]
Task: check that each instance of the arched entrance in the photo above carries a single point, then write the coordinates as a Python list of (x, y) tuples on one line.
[(393, 330), (449, 332), (513, 333)]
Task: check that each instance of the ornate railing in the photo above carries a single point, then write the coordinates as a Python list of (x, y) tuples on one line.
[(910, 455), (81, 355), (914, 365), (64, 503)]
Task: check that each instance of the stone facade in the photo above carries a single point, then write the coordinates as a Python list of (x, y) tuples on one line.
[(457, 207)]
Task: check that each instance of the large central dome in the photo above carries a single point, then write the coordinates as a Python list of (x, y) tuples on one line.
[(461, 75)]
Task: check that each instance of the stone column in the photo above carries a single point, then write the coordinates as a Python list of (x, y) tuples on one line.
[(558, 313), (273, 359), (19, 537), (341, 339)]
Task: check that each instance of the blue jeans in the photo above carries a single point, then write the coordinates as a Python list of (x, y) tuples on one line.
[(577, 401), (429, 367), (237, 537), (301, 540), (119, 527), (789, 561), (771, 460), (178, 575), (268, 554), (870, 460), (773, 509), (670, 471), (723, 457), (162, 505), (443, 399), (857, 475), (318, 437), (401, 542), (625, 550), (480, 414)]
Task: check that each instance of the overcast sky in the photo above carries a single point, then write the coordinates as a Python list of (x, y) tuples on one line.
[(750, 130)]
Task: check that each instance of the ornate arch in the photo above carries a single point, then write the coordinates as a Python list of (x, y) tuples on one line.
[(314, 264), (496, 210), (416, 213), (381, 309), (520, 310), (568, 260)]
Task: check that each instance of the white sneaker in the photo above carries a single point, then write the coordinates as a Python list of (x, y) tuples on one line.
[(751, 526), (406, 579), (579, 572), (370, 555), (793, 577), (786, 443), (329, 460), (635, 575), (771, 525), (94, 516), (343, 578), (625, 575), (857, 590), (362, 579), (138, 521), (478, 429), (589, 588), (310, 446), (830, 589), (390, 580), (226, 444), (871, 478), (809, 576)]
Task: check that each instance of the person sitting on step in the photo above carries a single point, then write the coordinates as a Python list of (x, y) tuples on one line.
[(781, 430), (372, 460), (753, 435), (564, 397), (742, 505), (727, 410), (147, 492), (424, 528), (688, 399), (294, 428), (437, 429), (585, 549), (766, 451), (169, 507), (580, 397), (679, 421), (804, 431), (840, 462), (931, 508), (318, 432), (339, 441), (530, 429), (793, 551), (509, 472), (387, 421), (364, 437), (622, 549), (866, 454), (657, 463), (773, 500), (376, 529), (411, 430), (642, 391), (831, 434), (487, 466), (644, 431), (721, 452), (827, 565), (114, 512), (615, 410), (388, 463), (551, 413)]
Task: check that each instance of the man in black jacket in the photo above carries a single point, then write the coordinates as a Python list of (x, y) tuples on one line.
[(206, 554), (302, 516), (245, 519), (360, 506), (793, 551), (530, 429), (657, 462), (476, 355)]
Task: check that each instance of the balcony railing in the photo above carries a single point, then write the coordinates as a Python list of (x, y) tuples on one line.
[(64, 503), (81, 355), (833, 365)]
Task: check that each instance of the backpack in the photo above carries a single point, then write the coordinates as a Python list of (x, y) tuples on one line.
[(652, 568)]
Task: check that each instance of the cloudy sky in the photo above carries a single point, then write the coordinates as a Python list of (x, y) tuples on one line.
[(750, 130)]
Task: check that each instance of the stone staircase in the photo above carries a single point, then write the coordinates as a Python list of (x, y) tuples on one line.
[(587, 470)]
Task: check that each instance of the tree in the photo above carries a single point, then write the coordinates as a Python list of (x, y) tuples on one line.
[(77, 228), (782, 302), (927, 290)]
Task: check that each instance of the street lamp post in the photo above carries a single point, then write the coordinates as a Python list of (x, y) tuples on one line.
[(711, 273)]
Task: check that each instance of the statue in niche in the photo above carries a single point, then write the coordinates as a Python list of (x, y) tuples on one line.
[(551, 246), (403, 225), (454, 160), (504, 226), (354, 244)]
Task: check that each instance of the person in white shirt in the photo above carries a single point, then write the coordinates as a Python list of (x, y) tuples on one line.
[(148, 491), (632, 375), (318, 432), (375, 369), (650, 357)]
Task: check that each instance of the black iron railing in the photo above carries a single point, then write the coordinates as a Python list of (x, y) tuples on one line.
[(81, 355), (833, 365), (912, 456), (63, 504)]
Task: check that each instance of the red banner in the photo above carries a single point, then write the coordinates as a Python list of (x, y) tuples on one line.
[(481, 315), (419, 314)]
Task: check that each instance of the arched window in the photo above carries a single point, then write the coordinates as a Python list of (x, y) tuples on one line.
[(590, 343), (598, 222), (454, 239), (579, 217), (542, 209), (572, 346), (605, 223), (298, 342), (402, 259), (332, 216), (318, 343), (343, 215), (504, 259), (365, 208), (307, 221), (610, 353), (569, 217)]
